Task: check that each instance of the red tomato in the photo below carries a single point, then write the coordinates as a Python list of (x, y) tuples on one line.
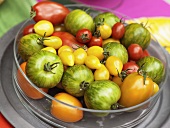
[(83, 35), (51, 11), (135, 52), (118, 30), (145, 53), (28, 29), (68, 39), (130, 67)]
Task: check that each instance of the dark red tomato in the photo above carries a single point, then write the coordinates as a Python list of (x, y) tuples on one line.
[(145, 53), (83, 36), (95, 41), (135, 52), (68, 39), (118, 30), (28, 29), (130, 67), (51, 11)]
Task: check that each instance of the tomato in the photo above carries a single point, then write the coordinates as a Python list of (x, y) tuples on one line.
[(114, 65), (26, 87), (53, 41), (64, 112), (44, 28), (117, 80), (135, 52), (92, 62), (109, 40), (130, 67), (101, 73), (50, 49), (145, 53), (83, 35), (67, 58), (96, 51), (156, 88), (79, 56), (28, 29), (64, 48), (51, 11), (96, 40), (118, 30), (44, 69), (59, 28), (68, 39), (135, 90), (105, 30)]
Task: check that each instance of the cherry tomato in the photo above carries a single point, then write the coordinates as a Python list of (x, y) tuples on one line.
[(135, 52), (51, 11), (50, 49), (64, 48), (110, 40), (44, 28), (96, 40), (145, 53), (79, 56), (156, 88), (67, 58), (53, 41), (130, 67), (68, 39), (28, 29), (92, 62), (118, 30), (96, 51), (101, 73), (83, 35), (135, 90)]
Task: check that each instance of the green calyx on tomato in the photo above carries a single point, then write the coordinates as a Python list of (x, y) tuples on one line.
[(48, 67)]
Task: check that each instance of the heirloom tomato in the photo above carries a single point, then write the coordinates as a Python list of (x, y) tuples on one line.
[(109, 40), (83, 36), (96, 51), (130, 67), (156, 88), (64, 48), (64, 112), (92, 62), (101, 73), (52, 41), (135, 89), (79, 56), (51, 11), (67, 58)]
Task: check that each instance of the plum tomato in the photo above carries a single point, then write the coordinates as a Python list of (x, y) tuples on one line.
[(118, 30), (83, 35), (96, 40), (130, 67), (51, 11), (135, 52), (28, 29)]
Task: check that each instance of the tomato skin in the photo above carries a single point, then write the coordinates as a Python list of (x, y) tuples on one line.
[(131, 66), (134, 91), (145, 53), (83, 35), (135, 52), (48, 10), (28, 29), (105, 30), (95, 41), (118, 30), (101, 73), (53, 41), (68, 39)]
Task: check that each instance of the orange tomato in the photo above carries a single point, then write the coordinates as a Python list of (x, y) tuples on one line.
[(66, 113), (30, 91)]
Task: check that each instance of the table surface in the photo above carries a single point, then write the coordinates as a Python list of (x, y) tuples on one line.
[(136, 9)]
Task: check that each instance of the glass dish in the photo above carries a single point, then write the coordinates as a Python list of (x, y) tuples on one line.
[(126, 117)]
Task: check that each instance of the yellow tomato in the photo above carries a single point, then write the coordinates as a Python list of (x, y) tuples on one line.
[(101, 73), (114, 65), (117, 80), (156, 88), (110, 40), (44, 27), (50, 49), (65, 48), (96, 51), (67, 58), (92, 62), (53, 41), (79, 56)]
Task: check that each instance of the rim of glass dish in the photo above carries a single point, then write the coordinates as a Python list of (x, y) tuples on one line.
[(81, 108)]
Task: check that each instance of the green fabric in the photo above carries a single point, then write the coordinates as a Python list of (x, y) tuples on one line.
[(12, 12)]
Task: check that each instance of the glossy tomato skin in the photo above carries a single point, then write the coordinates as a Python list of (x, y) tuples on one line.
[(134, 91), (130, 67), (135, 52), (145, 53), (83, 36), (68, 39), (95, 41), (51, 11), (118, 30), (28, 29)]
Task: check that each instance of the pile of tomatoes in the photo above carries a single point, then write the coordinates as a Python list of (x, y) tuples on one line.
[(85, 47)]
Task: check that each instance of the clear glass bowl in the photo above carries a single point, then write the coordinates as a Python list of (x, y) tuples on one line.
[(126, 117)]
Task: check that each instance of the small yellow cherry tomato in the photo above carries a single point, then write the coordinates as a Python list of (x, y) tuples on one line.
[(156, 88), (110, 40), (101, 73), (44, 28), (79, 56), (65, 48), (114, 65), (92, 62), (67, 58), (53, 41), (96, 51), (50, 49)]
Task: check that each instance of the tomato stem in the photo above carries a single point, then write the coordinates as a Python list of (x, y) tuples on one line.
[(32, 13), (142, 73), (41, 40), (84, 85), (48, 67), (116, 106)]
